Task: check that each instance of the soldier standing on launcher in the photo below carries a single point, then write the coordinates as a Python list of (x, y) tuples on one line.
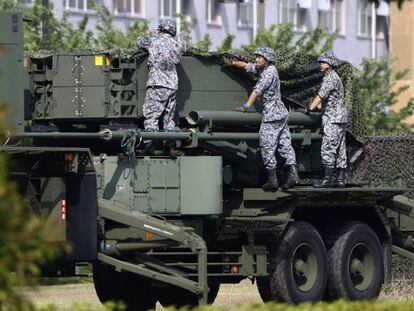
[(160, 99), (334, 121), (274, 131)]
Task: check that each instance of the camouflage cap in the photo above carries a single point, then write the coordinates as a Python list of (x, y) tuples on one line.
[(329, 57), (267, 52), (168, 25)]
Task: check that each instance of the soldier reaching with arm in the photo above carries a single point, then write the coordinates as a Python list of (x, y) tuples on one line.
[(165, 53), (330, 99), (274, 131)]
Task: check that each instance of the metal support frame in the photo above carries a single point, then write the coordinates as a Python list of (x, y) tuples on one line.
[(192, 137), (403, 252), (157, 270)]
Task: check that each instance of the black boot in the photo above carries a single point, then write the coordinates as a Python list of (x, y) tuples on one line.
[(293, 177), (149, 148), (169, 149), (271, 184), (326, 181), (341, 178)]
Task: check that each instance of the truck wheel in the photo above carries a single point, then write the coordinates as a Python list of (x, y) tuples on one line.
[(111, 285), (263, 285), (298, 266), (178, 297), (356, 265)]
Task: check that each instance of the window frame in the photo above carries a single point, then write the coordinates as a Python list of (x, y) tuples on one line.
[(132, 12), (298, 21), (288, 8), (337, 9), (67, 7), (246, 4), (363, 17), (217, 21), (173, 8)]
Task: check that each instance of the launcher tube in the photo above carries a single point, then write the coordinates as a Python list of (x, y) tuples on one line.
[(235, 117)]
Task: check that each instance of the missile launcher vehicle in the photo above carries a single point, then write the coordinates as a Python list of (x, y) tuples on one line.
[(172, 229)]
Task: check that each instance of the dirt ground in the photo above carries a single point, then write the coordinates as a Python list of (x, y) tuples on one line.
[(63, 296)]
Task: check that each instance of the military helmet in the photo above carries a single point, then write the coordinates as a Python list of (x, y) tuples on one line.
[(168, 25), (267, 52), (329, 57)]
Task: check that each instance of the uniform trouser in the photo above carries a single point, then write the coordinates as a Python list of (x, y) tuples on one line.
[(276, 136), (333, 151), (159, 101)]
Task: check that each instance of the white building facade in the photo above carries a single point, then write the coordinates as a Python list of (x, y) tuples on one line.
[(360, 35)]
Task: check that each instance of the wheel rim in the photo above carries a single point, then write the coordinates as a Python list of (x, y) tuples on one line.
[(304, 267), (361, 266)]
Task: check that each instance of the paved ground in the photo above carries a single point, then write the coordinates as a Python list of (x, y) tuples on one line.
[(64, 296)]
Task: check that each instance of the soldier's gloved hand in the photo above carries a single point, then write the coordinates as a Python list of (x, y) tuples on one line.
[(240, 109), (244, 108)]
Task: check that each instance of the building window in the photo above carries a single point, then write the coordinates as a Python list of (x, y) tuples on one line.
[(245, 13), (213, 12), (382, 26), (331, 20), (129, 7), (168, 8), (291, 13), (288, 12), (364, 18), (81, 5)]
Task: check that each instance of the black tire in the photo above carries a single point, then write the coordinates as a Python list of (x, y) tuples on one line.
[(178, 297), (133, 291), (298, 266), (263, 286), (356, 266)]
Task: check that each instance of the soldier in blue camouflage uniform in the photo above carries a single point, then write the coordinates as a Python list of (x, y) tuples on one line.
[(165, 53), (274, 130), (330, 99)]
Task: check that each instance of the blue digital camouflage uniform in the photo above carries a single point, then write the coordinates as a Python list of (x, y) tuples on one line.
[(334, 121), (274, 131), (165, 53)]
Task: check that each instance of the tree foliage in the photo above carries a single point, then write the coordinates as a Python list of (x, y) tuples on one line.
[(282, 38), (21, 248), (378, 94), (109, 36), (204, 45), (227, 43)]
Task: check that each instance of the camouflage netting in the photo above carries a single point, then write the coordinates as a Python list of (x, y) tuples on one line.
[(123, 53), (387, 161)]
